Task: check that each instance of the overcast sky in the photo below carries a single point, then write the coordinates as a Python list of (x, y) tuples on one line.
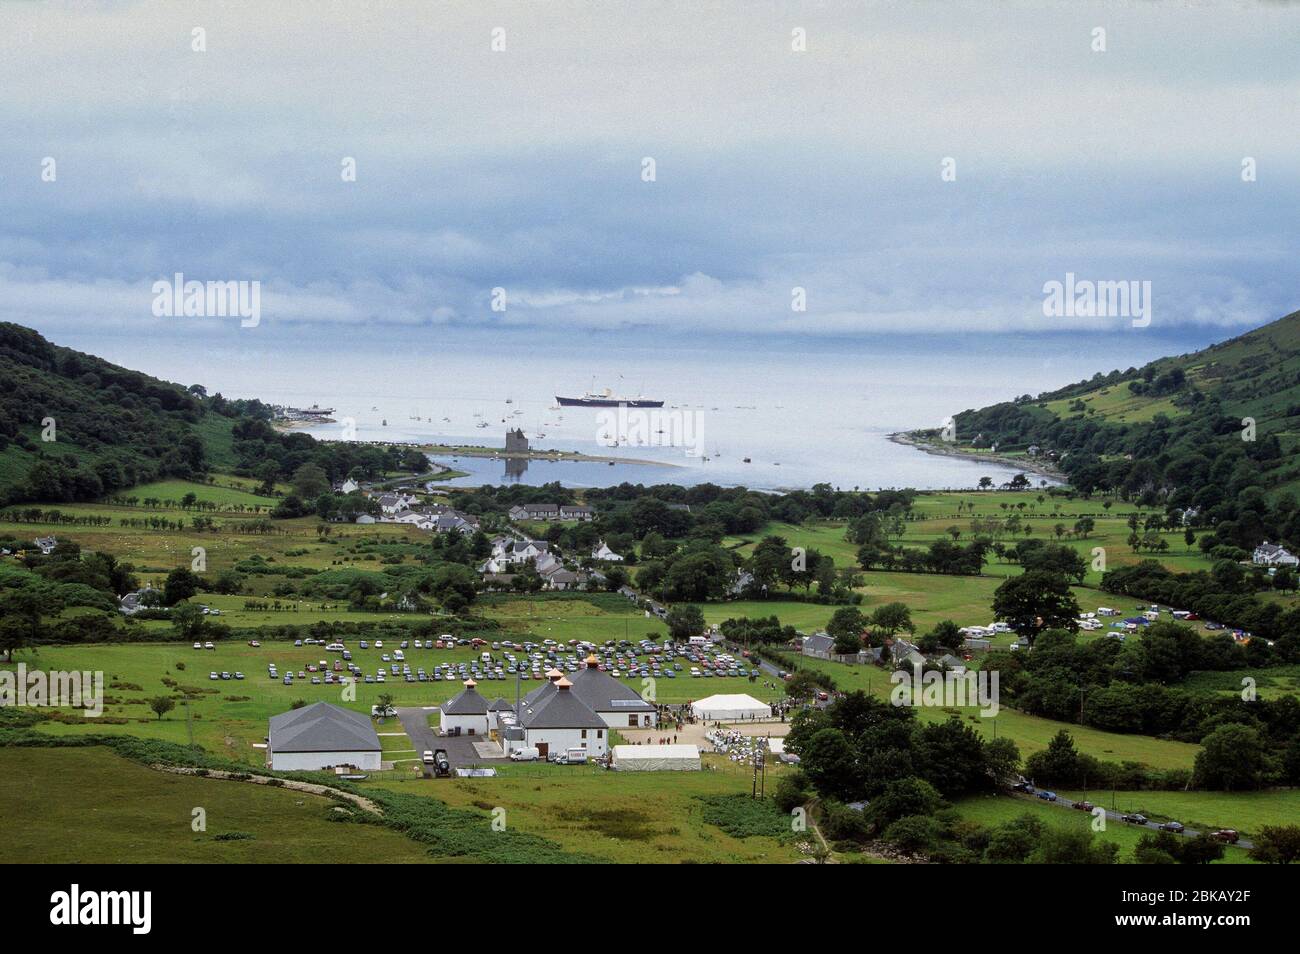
[(774, 169)]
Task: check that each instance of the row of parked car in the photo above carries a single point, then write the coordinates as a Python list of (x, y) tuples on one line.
[(1228, 835)]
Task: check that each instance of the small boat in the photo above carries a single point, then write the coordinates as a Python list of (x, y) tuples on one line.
[(746, 460)]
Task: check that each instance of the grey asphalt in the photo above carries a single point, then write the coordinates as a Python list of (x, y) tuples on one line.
[(1119, 817), (460, 749)]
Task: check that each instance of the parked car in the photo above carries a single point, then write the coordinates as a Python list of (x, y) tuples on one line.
[(1047, 796), (427, 757), (1228, 835), (1084, 806), (1173, 826), (1135, 818)]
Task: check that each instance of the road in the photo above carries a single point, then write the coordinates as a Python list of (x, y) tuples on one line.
[(460, 748), (1119, 817)]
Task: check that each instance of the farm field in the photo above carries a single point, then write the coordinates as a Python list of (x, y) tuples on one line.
[(228, 717), (998, 809), (935, 513), (1245, 811), (1031, 733), (628, 817), (98, 808)]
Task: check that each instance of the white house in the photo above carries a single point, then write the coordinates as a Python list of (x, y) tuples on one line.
[(349, 486), (603, 552), (534, 512), (553, 719), (322, 736), (1271, 554), (466, 711)]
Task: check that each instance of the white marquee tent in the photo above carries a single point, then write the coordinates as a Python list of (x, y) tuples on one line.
[(730, 708), (656, 758)]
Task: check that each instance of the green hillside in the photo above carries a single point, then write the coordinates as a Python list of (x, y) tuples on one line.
[(1208, 436), (110, 427), (74, 427)]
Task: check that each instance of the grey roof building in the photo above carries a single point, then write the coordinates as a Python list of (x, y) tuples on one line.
[(602, 693), (818, 645), (466, 702), (556, 707), (320, 735)]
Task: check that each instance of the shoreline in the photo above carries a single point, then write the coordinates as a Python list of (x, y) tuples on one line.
[(906, 439), (445, 450)]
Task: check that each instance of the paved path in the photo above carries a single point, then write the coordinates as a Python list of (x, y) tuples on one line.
[(1119, 817), (460, 748)]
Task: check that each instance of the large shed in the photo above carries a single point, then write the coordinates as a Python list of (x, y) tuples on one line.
[(656, 758), (321, 736)]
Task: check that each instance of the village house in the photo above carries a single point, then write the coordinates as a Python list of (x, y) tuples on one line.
[(1272, 554), (348, 486), (602, 552), (46, 544), (534, 512), (576, 513), (818, 645)]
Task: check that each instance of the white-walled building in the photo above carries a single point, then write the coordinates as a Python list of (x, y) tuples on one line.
[(466, 711), (602, 552), (617, 703), (553, 719), (322, 736)]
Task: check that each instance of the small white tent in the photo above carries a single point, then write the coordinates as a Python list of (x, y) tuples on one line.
[(656, 758), (730, 708)]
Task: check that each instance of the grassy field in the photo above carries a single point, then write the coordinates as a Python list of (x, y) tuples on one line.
[(1031, 733), (625, 817), (936, 513), (98, 808), (998, 809), (230, 716)]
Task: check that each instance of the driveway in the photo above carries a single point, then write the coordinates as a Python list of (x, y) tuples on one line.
[(460, 748), (1119, 817)]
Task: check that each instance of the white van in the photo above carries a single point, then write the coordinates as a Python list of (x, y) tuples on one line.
[(526, 754)]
